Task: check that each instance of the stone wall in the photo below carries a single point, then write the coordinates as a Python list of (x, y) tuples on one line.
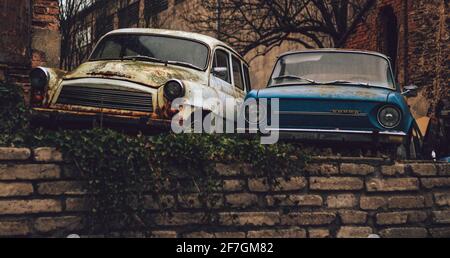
[(335, 197)]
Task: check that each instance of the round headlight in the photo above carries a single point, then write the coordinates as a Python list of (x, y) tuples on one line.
[(39, 78), (389, 117), (173, 89)]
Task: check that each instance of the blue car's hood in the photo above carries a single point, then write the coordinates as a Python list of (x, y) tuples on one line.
[(336, 92)]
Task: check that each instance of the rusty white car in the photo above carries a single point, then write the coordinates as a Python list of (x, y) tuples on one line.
[(132, 77)]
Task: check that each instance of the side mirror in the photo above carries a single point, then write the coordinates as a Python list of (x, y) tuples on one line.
[(220, 72), (410, 91)]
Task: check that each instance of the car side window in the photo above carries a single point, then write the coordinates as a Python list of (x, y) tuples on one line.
[(221, 65), (237, 73), (248, 85)]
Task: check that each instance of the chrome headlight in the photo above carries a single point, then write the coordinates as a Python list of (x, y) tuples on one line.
[(174, 89), (39, 78), (389, 117)]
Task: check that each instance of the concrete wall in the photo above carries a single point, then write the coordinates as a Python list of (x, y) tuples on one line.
[(332, 197)]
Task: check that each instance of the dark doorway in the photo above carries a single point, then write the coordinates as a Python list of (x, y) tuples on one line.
[(388, 37)]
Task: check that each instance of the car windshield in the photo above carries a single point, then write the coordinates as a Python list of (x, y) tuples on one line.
[(152, 48), (332, 68)]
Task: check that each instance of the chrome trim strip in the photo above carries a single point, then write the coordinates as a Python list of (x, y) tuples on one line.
[(318, 113), (393, 133)]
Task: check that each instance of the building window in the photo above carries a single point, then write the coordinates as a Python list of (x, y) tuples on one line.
[(129, 16), (154, 7), (388, 34)]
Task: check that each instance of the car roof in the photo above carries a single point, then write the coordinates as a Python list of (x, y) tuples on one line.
[(210, 41), (336, 50)]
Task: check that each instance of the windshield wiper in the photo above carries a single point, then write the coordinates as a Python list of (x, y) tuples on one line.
[(145, 58), (184, 64), (294, 77)]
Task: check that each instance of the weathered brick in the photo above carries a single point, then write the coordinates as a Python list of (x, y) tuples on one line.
[(308, 218), (289, 184), (200, 234), (29, 172), (393, 170), (440, 232), (278, 233), (404, 233), (295, 200), (354, 232), (51, 224), (398, 218), (357, 169), (29, 206), (430, 183), (318, 233), (196, 201), (441, 217), (372, 202), (406, 202), (15, 189), (341, 201), (353, 217), (180, 218), (233, 169), (322, 169), (230, 235), (233, 185), (442, 199), (163, 234), (424, 169), (336, 183), (61, 188), (241, 200), (14, 228), (77, 204), (444, 169), (249, 218), (392, 185), (46, 154), (258, 185), (14, 153)]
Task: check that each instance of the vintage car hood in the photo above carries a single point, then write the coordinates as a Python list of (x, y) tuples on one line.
[(352, 93), (151, 74)]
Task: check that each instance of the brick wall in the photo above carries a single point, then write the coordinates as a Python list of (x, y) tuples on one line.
[(423, 53), (29, 37), (335, 197)]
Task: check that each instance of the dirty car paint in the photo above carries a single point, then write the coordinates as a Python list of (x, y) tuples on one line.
[(150, 74)]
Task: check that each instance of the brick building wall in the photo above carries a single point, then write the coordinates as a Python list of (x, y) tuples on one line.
[(29, 37), (415, 35), (331, 197)]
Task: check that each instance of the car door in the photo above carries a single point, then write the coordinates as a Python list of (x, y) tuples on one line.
[(221, 79)]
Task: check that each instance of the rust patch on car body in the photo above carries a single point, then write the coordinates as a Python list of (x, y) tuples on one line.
[(146, 73)]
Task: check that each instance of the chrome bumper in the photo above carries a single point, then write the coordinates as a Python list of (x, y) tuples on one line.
[(392, 137)]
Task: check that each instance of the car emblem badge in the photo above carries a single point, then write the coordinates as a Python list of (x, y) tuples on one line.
[(346, 111)]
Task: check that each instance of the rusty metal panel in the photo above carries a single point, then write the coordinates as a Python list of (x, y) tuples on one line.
[(15, 31)]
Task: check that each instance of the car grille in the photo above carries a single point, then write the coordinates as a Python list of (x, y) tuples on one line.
[(106, 98)]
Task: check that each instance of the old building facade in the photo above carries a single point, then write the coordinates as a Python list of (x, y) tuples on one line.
[(415, 35), (29, 37)]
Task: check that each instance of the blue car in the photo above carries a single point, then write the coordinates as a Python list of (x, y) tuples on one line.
[(341, 95)]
